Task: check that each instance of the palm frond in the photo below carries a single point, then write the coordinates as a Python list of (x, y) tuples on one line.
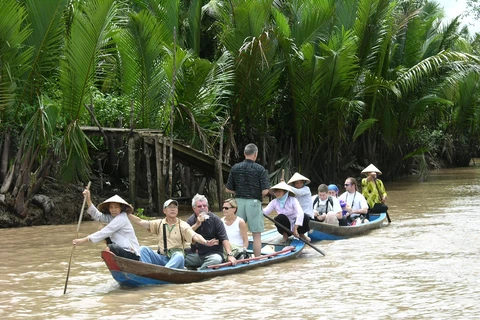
[(90, 38), (48, 31), (15, 57), (140, 45)]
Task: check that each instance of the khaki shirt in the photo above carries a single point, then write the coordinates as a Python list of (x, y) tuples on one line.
[(174, 238)]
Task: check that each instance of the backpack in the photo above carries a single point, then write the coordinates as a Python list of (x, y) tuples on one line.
[(329, 200)]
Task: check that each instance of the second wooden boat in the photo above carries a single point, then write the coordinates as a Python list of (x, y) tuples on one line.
[(323, 231)]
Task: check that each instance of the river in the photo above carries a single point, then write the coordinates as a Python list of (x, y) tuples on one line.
[(424, 265)]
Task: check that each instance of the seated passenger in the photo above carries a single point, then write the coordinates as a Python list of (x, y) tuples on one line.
[(298, 184), (173, 236), (290, 213), (210, 226), (356, 204), (333, 192), (326, 208), (235, 226)]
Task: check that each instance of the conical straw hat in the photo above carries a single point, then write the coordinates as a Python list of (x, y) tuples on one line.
[(371, 168), (298, 177), (103, 207), (283, 186)]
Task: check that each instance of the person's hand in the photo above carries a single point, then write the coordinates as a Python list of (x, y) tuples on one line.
[(348, 209), (232, 260), (202, 217), (211, 242), (79, 241), (86, 193)]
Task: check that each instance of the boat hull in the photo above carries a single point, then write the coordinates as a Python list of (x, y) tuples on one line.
[(322, 231)]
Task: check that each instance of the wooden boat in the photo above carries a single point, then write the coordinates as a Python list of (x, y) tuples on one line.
[(133, 273), (323, 231)]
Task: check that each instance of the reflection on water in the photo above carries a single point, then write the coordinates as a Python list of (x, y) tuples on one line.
[(424, 265)]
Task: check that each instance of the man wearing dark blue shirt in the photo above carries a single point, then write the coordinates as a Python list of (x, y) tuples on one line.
[(210, 226), (249, 182)]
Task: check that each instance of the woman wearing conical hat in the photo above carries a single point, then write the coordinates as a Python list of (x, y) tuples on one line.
[(373, 190), (298, 183), (290, 213), (119, 228)]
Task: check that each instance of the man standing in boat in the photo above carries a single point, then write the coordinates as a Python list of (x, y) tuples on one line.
[(210, 226), (173, 234), (249, 182)]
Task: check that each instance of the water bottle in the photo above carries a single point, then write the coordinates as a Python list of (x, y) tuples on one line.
[(343, 204)]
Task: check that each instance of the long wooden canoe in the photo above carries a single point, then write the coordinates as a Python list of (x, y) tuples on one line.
[(323, 231), (133, 273)]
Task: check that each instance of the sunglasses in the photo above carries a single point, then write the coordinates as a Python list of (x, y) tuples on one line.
[(202, 206), (227, 208), (347, 184)]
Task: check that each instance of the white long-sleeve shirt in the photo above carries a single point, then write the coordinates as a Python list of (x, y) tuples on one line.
[(119, 229), (304, 196)]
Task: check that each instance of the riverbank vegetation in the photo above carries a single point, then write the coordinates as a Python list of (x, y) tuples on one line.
[(324, 87)]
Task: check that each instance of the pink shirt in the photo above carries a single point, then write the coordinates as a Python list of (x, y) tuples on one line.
[(292, 210)]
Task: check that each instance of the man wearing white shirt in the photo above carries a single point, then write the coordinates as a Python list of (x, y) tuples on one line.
[(356, 203)]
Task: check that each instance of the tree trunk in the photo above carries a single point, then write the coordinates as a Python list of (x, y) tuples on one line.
[(5, 155), (131, 171), (148, 156)]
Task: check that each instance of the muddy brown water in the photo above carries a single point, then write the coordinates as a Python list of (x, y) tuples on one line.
[(425, 265)]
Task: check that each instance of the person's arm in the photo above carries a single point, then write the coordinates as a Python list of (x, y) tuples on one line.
[(264, 183), (138, 221), (86, 194), (93, 211), (336, 208), (269, 208), (80, 241), (383, 192), (113, 226), (198, 221), (298, 210), (228, 249), (363, 205), (199, 239), (230, 186)]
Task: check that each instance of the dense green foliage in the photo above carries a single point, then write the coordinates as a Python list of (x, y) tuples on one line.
[(319, 85)]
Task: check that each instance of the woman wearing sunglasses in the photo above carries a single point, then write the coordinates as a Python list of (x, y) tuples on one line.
[(235, 226)]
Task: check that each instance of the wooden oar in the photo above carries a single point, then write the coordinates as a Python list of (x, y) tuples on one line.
[(265, 256), (289, 232), (76, 236), (388, 217)]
